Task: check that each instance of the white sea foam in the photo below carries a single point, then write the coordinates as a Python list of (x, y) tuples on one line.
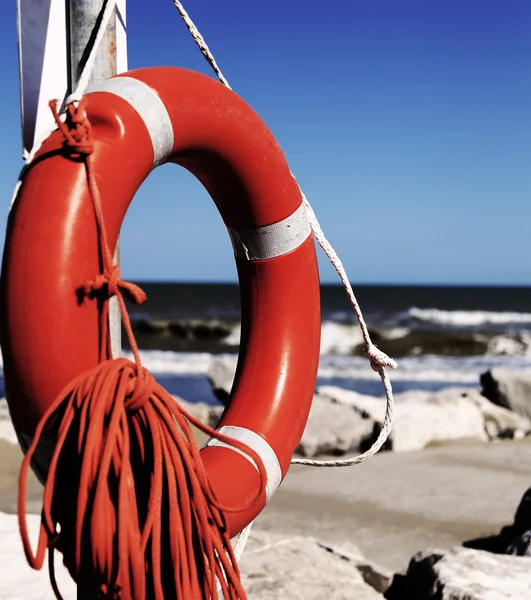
[(233, 339), (413, 372), (338, 338), (468, 318), (515, 345), (427, 368), (168, 362), (395, 333), (411, 368)]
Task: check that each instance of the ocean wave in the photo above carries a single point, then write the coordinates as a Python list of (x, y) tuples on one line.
[(233, 339), (517, 344), (424, 331), (174, 363), (468, 318), (217, 336), (411, 368), (429, 368), (184, 329), (346, 341), (338, 338), (182, 372), (394, 333), (452, 333), (458, 343)]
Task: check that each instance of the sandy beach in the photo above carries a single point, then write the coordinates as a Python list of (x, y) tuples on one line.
[(9, 469), (400, 503), (391, 507)]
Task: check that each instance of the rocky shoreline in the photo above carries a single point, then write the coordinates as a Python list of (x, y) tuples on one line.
[(341, 422), (441, 498), (432, 509)]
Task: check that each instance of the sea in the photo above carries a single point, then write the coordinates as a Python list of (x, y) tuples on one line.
[(441, 336)]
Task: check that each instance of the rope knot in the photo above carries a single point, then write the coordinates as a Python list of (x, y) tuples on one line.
[(111, 282), (140, 387), (76, 128), (379, 359)]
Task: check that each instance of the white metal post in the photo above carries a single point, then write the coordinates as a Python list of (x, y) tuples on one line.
[(82, 18)]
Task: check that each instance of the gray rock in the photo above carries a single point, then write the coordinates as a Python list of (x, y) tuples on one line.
[(428, 418), (510, 389), (500, 422), (344, 421), (463, 574), (514, 539), (221, 376), (421, 418), (375, 575), (205, 413), (274, 566), (334, 428), (520, 544), (331, 428)]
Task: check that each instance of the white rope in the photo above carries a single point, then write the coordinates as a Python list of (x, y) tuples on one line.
[(238, 548), (75, 96), (199, 40), (377, 359), (242, 541)]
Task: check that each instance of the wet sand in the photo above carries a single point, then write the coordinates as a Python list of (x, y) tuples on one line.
[(391, 507), (10, 459), (400, 503)]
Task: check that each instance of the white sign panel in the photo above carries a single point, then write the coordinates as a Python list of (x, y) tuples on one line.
[(43, 61)]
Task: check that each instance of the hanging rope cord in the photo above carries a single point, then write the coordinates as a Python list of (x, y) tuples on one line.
[(377, 359)]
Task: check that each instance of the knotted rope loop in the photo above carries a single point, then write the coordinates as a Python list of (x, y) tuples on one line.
[(379, 359), (75, 130), (110, 282), (140, 387)]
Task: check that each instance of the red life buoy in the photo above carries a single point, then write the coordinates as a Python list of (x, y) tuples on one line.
[(140, 120)]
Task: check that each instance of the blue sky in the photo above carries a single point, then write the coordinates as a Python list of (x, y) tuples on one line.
[(407, 124)]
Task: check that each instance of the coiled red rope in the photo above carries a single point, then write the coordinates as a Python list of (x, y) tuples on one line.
[(127, 499)]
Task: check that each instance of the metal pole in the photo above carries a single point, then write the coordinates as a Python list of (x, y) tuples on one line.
[(82, 18)]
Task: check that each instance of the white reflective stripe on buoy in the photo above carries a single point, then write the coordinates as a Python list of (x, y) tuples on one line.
[(260, 446), (148, 104), (273, 240)]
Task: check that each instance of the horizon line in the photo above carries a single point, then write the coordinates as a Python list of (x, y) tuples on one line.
[(339, 284)]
